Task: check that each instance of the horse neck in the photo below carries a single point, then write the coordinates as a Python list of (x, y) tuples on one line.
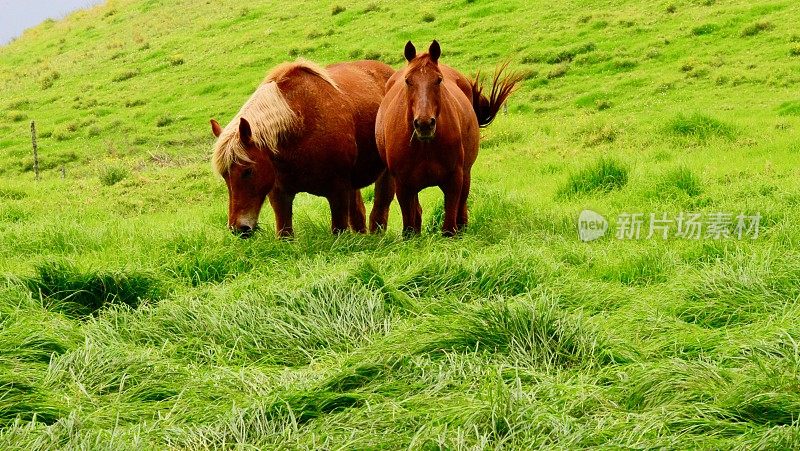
[(448, 104)]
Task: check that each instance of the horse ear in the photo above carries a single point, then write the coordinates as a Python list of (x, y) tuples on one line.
[(245, 132), (216, 128), (411, 51), (435, 51)]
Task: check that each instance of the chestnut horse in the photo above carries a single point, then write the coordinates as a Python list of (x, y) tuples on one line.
[(306, 129), (427, 133)]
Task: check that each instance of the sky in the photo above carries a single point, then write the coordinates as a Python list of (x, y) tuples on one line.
[(19, 15)]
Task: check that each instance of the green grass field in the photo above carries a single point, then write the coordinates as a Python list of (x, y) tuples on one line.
[(130, 318)]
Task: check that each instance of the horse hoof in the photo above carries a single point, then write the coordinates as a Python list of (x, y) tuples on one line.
[(449, 233)]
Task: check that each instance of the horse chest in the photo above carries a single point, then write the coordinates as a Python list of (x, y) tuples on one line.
[(424, 165)]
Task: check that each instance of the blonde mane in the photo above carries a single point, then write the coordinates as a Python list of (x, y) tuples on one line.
[(281, 72), (271, 118)]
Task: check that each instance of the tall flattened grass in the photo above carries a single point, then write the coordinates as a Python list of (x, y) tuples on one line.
[(27, 401), (80, 293), (272, 326), (741, 289)]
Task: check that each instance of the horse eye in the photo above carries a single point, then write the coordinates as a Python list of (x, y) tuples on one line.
[(408, 82), (247, 173), (439, 80)]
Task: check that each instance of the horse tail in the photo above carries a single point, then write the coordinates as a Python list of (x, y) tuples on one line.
[(487, 107)]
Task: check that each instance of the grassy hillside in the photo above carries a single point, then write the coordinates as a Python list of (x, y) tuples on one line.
[(131, 319)]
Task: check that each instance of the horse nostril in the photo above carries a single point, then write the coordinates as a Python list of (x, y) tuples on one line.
[(243, 231), (425, 125)]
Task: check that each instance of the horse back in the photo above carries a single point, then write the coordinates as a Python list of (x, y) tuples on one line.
[(336, 138), (362, 87), (464, 84), (362, 84)]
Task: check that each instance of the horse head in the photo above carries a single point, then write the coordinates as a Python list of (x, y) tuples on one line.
[(248, 173), (423, 85)]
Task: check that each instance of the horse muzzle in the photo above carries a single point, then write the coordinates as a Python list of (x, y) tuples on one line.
[(425, 131), (243, 231)]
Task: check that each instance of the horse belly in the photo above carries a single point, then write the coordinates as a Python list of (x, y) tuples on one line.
[(321, 165), (368, 165), (366, 174)]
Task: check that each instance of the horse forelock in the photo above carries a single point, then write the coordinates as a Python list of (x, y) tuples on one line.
[(422, 62), (271, 121), (228, 150)]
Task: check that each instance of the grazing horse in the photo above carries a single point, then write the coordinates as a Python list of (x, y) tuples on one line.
[(427, 133), (306, 129)]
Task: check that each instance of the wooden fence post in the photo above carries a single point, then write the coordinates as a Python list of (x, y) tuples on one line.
[(35, 150)]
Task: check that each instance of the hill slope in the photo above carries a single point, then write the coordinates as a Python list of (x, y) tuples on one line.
[(129, 318)]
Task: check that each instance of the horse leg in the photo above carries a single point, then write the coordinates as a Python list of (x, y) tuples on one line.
[(339, 202), (463, 214), (384, 194), (358, 222), (409, 205), (452, 201), (281, 203), (417, 213)]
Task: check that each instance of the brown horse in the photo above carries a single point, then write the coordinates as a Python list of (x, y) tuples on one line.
[(427, 133), (306, 129)]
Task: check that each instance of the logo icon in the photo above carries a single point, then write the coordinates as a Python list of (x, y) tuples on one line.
[(591, 226)]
